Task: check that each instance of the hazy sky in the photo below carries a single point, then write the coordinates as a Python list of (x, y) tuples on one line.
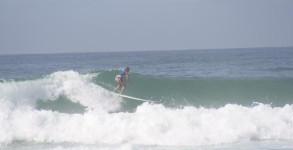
[(46, 26)]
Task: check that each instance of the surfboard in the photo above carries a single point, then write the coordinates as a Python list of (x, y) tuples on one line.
[(135, 98)]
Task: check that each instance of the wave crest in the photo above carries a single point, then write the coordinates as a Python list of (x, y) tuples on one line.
[(76, 87)]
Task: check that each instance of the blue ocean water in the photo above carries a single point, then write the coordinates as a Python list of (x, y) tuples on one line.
[(253, 62), (205, 99)]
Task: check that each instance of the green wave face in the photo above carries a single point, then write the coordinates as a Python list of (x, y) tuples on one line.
[(209, 92)]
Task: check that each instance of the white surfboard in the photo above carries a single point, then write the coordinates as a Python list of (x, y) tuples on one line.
[(137, 99)]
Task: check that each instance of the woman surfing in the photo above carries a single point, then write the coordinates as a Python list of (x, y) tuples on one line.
[(121, 79)]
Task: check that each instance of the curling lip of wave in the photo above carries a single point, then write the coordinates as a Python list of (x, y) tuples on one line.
[(76, 87)]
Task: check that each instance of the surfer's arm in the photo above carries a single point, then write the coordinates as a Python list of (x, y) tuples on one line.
[(127, 77)]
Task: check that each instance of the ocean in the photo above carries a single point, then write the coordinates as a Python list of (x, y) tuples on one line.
[(213, 99)]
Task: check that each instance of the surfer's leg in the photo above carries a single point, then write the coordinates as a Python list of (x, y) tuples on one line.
[(118, 80), (123, 87), (118, 86)]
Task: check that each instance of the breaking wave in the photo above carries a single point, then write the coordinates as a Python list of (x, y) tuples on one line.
[(80, 108)]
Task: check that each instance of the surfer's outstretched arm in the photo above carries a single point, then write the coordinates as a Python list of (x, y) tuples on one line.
[(127, 78)]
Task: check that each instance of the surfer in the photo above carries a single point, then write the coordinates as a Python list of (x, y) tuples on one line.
[(121, 79)]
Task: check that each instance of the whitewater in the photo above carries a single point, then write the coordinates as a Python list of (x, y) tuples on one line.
[(76, 109)]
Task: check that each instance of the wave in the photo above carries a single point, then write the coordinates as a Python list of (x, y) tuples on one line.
[(208, 92), (72, 92), (29, 112), (68, 86)]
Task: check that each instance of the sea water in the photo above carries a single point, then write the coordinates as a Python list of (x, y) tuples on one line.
[(219, 99)]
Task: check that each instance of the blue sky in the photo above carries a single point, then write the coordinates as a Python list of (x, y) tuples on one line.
[(52, 26)]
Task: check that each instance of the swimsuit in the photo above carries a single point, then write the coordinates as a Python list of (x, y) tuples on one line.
[(123, 73), (120, 77)]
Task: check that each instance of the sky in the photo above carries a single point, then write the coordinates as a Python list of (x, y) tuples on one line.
[(61, 26)]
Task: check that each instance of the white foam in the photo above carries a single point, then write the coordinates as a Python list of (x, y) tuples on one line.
[(79, 88), (91, 147), (150, 124), (6, 133)]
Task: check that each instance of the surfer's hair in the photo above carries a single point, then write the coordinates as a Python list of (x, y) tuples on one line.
[(127, 69)]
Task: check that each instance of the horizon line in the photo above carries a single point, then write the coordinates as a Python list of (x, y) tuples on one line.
[(154, 50)]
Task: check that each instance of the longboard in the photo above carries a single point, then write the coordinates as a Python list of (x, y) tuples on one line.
[(134, 98)]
